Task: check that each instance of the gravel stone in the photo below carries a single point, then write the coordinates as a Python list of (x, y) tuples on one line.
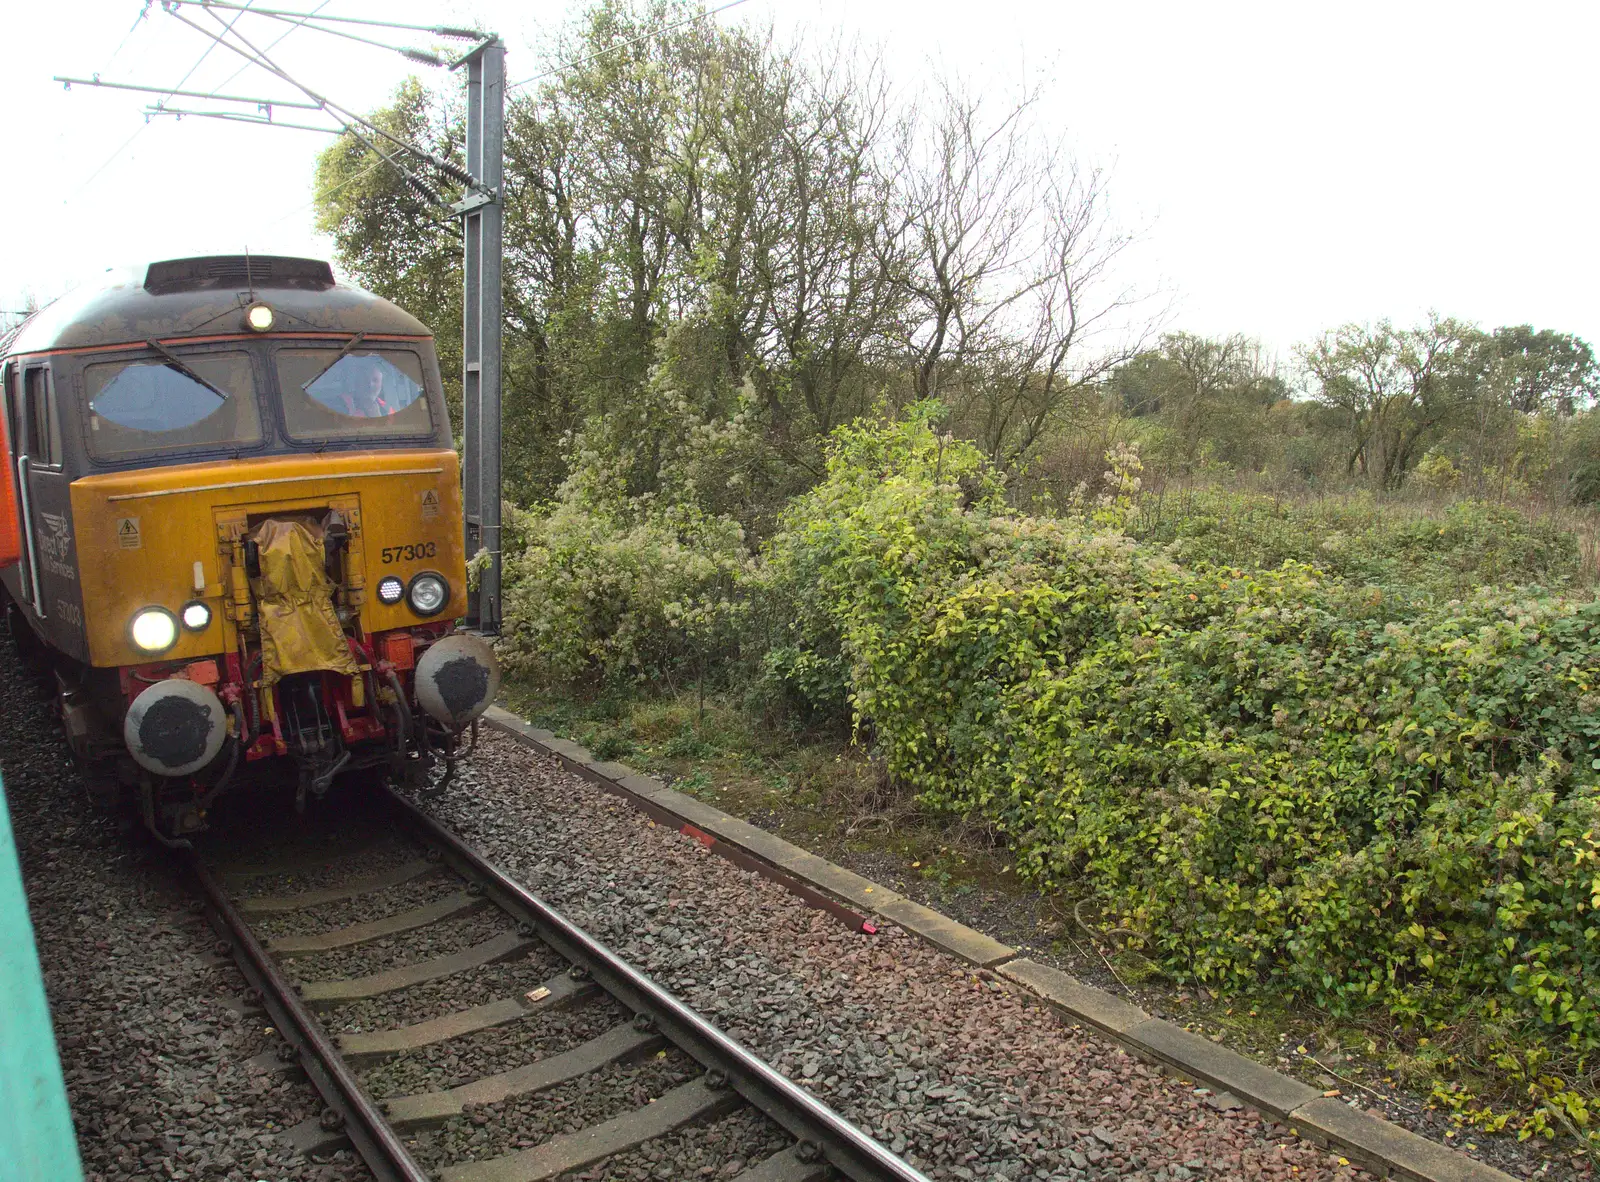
[(494, 1130), (722, 1149), (407, 948), (489, 1052), (341, 869), (361, 909), (437, 998)]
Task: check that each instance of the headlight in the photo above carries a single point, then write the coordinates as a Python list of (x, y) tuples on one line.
[(196, 616), (154, 630), (429, 593), (259, 318), (390, 589)]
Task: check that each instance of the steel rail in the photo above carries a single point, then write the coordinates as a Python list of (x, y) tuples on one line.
[(379, 1146), (843, 1145)]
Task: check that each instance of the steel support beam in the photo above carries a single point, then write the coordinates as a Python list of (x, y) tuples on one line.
[(482, 216)]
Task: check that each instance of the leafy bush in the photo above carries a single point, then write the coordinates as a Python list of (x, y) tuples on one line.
[(1275, 777), (803, 584), (1436, 471), (620, 594)]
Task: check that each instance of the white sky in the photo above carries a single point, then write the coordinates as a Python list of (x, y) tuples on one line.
[(1292, 165)]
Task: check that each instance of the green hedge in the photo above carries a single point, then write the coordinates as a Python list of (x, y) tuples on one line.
[(1276, 776), (614, 595)]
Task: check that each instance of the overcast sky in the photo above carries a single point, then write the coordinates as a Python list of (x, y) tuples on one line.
[(1290, 166)]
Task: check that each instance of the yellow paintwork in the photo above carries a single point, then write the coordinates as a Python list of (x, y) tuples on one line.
[(191, 513)]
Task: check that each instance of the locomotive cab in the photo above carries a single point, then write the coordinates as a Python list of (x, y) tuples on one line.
[(240, 532)]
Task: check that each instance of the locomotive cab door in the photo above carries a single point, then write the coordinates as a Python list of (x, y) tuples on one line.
[(42, 493), (17, 462)]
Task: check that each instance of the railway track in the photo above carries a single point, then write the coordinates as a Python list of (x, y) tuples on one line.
[(623, 1031)]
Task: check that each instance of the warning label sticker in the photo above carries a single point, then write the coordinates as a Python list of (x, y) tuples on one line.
[(430, 503), (128, 536)]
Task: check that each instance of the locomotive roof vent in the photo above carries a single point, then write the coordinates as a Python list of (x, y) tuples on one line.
[(237, 271)]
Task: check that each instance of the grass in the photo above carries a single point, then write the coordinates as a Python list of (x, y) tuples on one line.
[(812, 787), (1426, 545)]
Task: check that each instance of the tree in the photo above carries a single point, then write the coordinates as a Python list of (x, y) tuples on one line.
[(1539, 372), (1009, 251), (1208, 395), (1390, 390), (719, 249)]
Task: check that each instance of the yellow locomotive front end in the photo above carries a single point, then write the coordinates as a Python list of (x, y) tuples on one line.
[(250, 550), (301, 592)]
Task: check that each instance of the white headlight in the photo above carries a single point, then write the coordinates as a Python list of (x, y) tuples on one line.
[(390, 589), (196, 616), (428, 594), (259, 317), (154, 630)]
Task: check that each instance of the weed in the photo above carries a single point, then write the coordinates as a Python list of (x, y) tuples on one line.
[(608, 743)]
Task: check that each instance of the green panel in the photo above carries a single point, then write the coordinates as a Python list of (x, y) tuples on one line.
[(36, 1138)]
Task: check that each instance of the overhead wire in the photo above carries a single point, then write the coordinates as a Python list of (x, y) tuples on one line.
[(138, 131), (339, 113), (255, 120), (438, 30), (416, 55), (273, 44), (279, 40), (109, 160), (324, 194), (253, 100), (300, 22), (207, 51), (128, 36), (344, 117)]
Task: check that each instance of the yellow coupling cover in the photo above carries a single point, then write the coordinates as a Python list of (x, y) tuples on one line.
[(299, 631)]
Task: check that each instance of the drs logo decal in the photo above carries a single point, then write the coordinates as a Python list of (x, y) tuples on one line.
[(55, 546), (394, 554)]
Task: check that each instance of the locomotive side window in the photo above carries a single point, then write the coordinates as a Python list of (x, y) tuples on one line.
[(333, 393), (152, 405), (43, 435)]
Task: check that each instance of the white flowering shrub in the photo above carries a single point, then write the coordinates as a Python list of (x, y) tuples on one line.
[(594, 596)]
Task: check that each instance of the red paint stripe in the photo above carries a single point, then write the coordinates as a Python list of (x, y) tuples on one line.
[(699, 835), (335, 334)]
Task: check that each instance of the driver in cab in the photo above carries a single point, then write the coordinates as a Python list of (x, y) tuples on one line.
[(365, 398)]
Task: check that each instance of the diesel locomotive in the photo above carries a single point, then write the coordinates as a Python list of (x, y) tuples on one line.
[(240, 533)]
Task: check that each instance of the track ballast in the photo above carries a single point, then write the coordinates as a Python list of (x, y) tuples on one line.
[(459, 883)]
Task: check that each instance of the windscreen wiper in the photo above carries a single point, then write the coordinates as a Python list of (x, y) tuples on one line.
[(343, 353), (176, 362)]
